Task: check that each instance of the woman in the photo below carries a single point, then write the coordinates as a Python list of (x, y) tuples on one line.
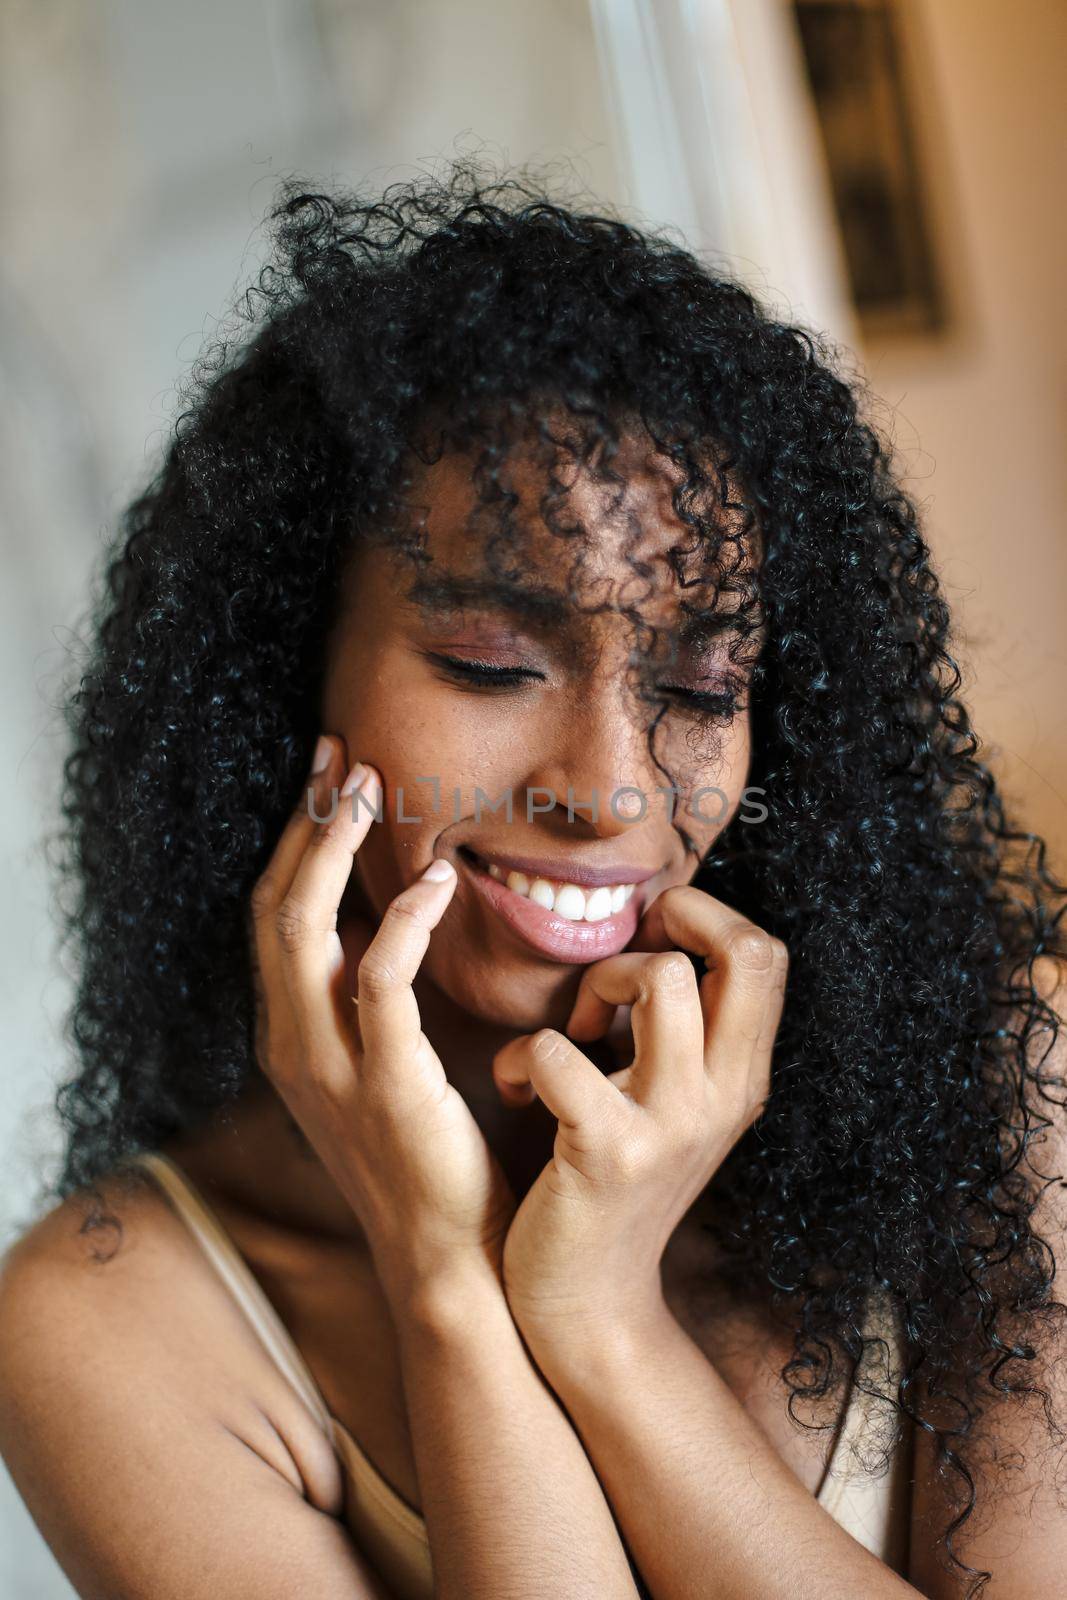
[(563, 1019)]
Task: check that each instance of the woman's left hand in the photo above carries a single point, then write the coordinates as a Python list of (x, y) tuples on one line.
[(634, 1148)]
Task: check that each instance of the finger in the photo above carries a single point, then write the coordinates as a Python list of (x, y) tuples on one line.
[(300, 946), (273, 883), (743, 991), (575, 1091), (307, 915), (592, 1016), (388, 1011), (270, 888), (666, 1019)]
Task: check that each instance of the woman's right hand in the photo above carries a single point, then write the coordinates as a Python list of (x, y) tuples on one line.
[(366, 1086)]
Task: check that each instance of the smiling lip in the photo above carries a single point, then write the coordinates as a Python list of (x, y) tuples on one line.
[(570, 871), (546, 931)]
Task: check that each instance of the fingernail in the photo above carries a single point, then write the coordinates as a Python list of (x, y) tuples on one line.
[(354, 779), (439, 871), (321, 759)]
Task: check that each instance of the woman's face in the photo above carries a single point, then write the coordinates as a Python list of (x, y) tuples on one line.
[(467, 694)]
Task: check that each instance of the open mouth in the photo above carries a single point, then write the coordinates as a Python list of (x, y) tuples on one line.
[(559, 918)]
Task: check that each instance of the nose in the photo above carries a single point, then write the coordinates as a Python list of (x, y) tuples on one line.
[(599, 773)]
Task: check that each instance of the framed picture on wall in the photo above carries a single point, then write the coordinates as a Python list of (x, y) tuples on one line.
[(855, 66)]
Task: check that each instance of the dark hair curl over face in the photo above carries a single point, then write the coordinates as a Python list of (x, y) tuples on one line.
[(905, 1090)]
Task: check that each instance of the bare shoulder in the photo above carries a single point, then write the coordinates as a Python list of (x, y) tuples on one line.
[(147, 1431), (117, 1283), (1019, 1527)]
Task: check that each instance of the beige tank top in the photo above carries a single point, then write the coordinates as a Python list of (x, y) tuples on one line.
[(392, 1534)]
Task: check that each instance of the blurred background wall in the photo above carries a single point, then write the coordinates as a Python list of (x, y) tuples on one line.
[(140, 142)]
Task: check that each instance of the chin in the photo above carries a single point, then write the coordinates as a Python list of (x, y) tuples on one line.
[(520, 1004)]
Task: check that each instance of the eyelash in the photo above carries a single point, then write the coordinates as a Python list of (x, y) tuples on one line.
[(724, 705), (484, 675)]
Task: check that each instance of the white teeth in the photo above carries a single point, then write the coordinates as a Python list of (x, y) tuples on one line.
[(598, 905), (566, 899), (542, 893), (570, 903)]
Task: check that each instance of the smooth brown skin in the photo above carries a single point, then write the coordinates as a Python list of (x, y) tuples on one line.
[(157, 1446)]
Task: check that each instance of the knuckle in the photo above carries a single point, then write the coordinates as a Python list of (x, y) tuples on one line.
[(376, 978), (263, 897), (329, 829), (292, 926), (411, 909), (751, 949), (670, 973), (631, 1154)]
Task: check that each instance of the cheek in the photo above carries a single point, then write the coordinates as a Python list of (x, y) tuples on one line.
[(434, 765), (434, 751)]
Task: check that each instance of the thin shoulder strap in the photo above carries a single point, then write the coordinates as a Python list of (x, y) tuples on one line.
[(864, 1410), (231, 1267)]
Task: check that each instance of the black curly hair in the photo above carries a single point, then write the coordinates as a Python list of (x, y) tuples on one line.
[(905, 1086)]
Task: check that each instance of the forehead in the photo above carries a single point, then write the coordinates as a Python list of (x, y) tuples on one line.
[(603, 531)]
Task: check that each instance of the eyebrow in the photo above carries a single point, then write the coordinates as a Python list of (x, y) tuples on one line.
[(703, 627), (445, 593)]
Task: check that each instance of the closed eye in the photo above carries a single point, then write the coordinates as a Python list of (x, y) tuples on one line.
[(723, 703), (484, 674), (475, 674)]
